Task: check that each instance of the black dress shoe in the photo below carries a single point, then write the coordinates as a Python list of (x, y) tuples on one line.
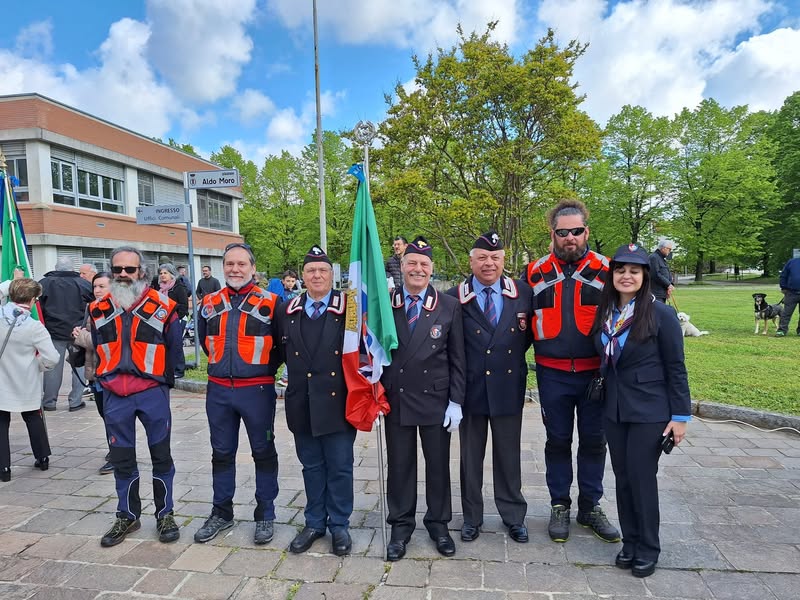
[(518, 533), (643, 568), (80, 406), (341, 543), (444, 544), (42, 463), (624, 559), (304, 539), (395, 550), (470, 533), (5, 474)]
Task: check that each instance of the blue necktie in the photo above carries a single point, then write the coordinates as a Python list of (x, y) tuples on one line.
[(317, 310), (412, 314), (488, 307)]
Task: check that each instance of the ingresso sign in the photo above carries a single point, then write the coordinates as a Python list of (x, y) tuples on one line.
[(199, 180), (168, 213)]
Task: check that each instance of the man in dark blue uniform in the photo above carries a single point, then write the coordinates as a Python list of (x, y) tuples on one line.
[(311, 328), (425, 388), (496, 310), (236, 332)]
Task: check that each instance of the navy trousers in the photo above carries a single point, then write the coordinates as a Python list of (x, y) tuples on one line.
[(226, 408), (562, 395), (328, 477), (151, 407)]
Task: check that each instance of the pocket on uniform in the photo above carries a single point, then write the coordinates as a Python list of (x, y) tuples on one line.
[(649, 375), (442, 383)]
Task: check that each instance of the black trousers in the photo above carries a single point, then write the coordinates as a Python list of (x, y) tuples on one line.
[(401, 484), (635, 449), (506, 433), (34, 421)]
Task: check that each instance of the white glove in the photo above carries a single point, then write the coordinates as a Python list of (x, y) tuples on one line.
[(452, 416)]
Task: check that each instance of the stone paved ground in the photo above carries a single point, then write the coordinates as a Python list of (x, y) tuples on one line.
[(730, 502)]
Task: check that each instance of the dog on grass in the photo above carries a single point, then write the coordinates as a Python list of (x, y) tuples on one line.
[(688, 329), (765, 312)]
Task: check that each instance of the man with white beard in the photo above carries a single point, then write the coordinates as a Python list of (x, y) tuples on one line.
[(137, 340)]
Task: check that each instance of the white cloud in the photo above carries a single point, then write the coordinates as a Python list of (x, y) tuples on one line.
[(418, 24), (251, 105), (761, 73), (657, 53), (35, 40), (200, 46)]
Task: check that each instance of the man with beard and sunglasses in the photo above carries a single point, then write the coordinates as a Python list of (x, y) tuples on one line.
[(566, 291), (137, 339)]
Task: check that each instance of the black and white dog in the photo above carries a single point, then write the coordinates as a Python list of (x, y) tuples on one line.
[(766, 312)]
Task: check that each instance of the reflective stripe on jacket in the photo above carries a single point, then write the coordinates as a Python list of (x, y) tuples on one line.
[(239, 332), (132, 341)]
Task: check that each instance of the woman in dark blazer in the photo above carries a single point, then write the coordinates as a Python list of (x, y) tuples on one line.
[(172, 286), (646, 398)]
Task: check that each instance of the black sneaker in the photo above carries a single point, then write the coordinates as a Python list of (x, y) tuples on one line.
[(167, 529), (213, 525), (597, 520), (264, 532), (559, 523), (106, 469), (118, 531)]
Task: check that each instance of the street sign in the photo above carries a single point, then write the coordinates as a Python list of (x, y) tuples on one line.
[(168, 213), (200, 180)]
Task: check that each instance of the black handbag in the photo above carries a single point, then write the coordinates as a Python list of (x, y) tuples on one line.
[(76, 356), (596, 392)]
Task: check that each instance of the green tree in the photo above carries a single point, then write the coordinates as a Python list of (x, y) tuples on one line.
[(725, 189), (486, 140)]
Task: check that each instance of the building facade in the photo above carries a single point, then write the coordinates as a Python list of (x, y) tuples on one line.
[(81, 180)]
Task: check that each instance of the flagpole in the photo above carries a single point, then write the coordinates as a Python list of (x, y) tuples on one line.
[(323, 230), (364, 133)]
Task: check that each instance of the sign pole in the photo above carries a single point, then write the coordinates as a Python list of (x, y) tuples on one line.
[(192, 295)]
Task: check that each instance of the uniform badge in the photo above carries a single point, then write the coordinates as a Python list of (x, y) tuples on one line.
[(436, 332), (522, 321), (161, 314), (207, 311)]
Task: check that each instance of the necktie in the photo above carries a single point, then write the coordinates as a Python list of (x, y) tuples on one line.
[(488, 307), (412, 314), (317, 310)]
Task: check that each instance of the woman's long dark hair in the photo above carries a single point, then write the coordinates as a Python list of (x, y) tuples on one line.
[(644, 323)]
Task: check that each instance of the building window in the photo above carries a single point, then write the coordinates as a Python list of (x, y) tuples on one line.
[(215, 211), (18, 167), (98, 192), (146, 195)]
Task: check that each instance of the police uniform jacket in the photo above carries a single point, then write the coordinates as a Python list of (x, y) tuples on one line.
[(315, 397), (428, 366), (496, 367), (649, 383)]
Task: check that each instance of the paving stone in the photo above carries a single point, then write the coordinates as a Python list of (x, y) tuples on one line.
[(63, 593), (413, 573), (11, 516), (489, 546), (444, 594), (386, 592), (51, 572), (106, 577), (51, 521), (360, 569), (151, 554), (201, 558), (160, 581), (14, 542), (609, 581), (504, 576), (250, 563), (752, 556), (56, 546), (665, 583), (12, 568), (309, 568), (265, 589), (542, 578), (737, 586), (456, 574), (316, 591), (785, 587), (202, 586), (93, 552), (692, 555)]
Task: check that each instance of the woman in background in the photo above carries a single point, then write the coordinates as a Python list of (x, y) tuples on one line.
[(646, 398), (169, 284), (101, 285), (26, 350)]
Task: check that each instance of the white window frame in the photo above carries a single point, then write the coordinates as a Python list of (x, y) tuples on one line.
[(146, 183), (12, 169)]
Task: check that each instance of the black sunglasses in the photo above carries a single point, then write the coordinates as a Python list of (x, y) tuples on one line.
[(238, 245), (576, 231), (128, 270)]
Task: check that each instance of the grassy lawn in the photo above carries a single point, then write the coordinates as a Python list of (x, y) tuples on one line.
[(731, 365)]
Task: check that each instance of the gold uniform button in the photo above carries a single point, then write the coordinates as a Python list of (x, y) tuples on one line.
[(488, 372), (333, 373), (333, 393), (336, 352)]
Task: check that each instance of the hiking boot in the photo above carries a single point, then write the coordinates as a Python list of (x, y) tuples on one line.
[(559, 523), (213, 525), (167, 529), (597, 520), (264, 532), (118, 531)]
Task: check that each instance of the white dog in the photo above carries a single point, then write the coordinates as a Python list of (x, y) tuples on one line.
[(687, 328)]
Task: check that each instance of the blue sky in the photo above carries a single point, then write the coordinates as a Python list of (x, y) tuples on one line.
[(241, 72)]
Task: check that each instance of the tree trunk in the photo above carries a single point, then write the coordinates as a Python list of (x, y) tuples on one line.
[(698, 267), (765, 264)]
